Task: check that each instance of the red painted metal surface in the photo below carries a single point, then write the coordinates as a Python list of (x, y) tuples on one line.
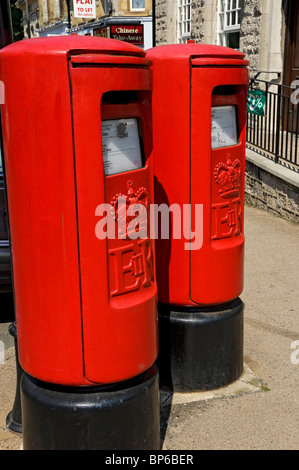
[(74, 326), (188, 80)]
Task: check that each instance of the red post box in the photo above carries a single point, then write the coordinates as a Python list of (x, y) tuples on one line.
[(199, 115), (77, 131)]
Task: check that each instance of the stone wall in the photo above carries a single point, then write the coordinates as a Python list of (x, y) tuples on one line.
[(250, 35), (198, 21), (271, 187), (162, 22)]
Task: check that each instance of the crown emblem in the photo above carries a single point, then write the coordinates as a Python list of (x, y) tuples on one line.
[(122, 130), (132, 200), (228, 177)]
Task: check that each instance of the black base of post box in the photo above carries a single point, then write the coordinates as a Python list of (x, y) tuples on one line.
[(200, 349), (120, 417), (14, 417)]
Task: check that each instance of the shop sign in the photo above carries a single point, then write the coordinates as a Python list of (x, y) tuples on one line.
[(128, 33)]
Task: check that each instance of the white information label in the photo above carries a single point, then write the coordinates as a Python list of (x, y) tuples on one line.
[(224, 127), (121, 146), (84, 8)]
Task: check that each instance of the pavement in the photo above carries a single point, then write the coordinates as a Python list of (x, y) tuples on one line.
[(260, 411)]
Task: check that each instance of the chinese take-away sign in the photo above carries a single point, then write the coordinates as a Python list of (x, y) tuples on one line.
[(256, 100), (84, 8), (128, 33)]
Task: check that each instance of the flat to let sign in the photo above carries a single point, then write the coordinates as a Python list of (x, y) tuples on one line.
[(128, 33), (84, 8)]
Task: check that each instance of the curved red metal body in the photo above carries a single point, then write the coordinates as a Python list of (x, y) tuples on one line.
[(188, 81), (85, 313)]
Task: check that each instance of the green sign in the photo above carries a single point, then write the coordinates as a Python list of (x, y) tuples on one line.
[(256, 100)]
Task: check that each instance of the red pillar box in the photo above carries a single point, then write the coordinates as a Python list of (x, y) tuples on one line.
[(77, 131), (199, 115)]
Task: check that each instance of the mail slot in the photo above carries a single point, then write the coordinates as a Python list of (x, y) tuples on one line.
[(77, 130), (199, 116)]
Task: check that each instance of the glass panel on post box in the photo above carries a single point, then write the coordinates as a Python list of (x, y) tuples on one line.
[(121, 145), (224, 132)]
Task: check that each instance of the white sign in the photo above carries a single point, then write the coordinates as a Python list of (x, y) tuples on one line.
[(84, 8), (121, 145), (224, 127)]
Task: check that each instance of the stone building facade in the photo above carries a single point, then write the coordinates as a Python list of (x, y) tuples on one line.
[(129, 20), (31, 16), (257, 27)]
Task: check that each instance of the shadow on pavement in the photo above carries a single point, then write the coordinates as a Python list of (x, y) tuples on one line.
[(165, 409)]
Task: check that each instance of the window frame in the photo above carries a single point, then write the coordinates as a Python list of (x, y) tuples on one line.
[(136, 9), (184, 19), (225, 8)]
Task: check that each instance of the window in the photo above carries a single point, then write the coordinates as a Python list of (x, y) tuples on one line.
[(229, 12), (184, 20), (137, 5)]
